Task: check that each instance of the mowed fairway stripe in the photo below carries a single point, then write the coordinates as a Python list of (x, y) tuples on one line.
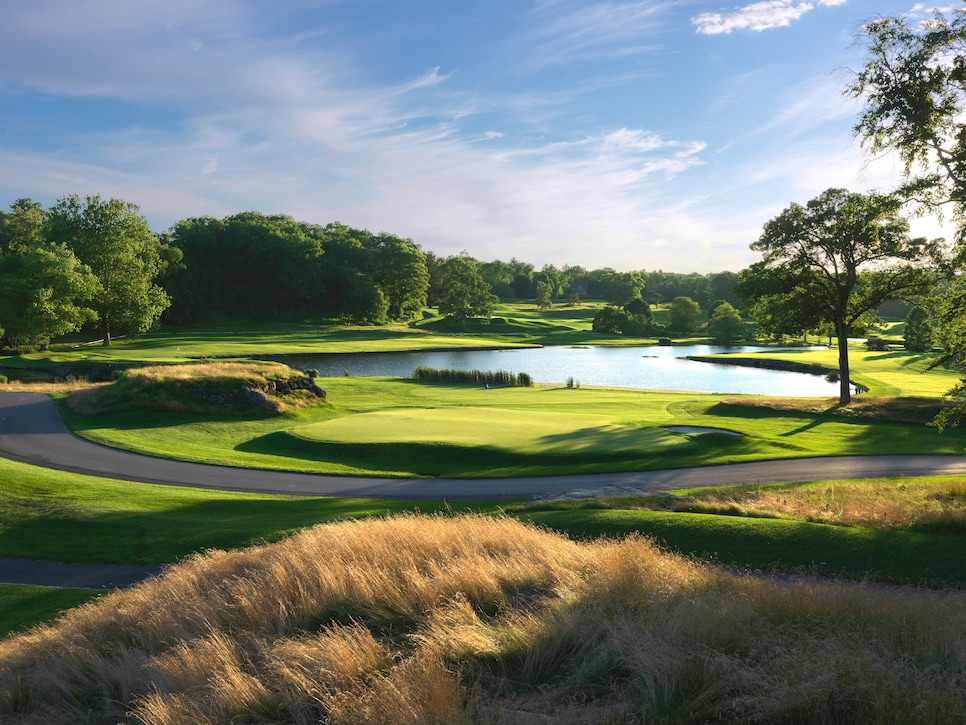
[(32, 431)]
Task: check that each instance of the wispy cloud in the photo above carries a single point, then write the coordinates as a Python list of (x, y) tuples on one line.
[(580, 31), (756, 16)]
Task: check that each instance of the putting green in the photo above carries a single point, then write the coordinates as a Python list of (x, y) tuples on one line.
[(515, 430)]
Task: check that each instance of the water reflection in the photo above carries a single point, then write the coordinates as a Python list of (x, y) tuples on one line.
[(655, 367)]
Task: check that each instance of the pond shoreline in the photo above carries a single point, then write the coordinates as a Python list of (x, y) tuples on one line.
[(790, 366)]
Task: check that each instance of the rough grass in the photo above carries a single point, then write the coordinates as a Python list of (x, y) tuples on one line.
[(935, 504), (241, 388), (482, 620)]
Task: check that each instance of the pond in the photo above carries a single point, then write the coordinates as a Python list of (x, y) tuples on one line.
[(654, 367)]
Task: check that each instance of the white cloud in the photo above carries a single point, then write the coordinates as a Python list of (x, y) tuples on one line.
[(756, 16)]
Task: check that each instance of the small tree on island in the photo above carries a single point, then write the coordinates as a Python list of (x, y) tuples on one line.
[(836, 260)]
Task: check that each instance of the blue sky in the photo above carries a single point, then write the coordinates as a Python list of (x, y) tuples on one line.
[(633, 134)]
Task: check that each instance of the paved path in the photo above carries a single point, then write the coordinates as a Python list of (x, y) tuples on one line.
[(32, 431)]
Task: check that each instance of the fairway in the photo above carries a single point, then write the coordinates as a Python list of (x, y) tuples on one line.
[(509, 430), (894, 373)]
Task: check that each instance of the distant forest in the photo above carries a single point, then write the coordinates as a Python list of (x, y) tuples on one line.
[(273, 266)]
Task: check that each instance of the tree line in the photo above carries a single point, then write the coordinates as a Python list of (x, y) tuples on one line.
[(93, 261)]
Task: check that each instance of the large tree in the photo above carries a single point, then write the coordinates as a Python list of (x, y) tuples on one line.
[(836, 260), (683, 314), (462, 292), (115, 242), (914, 87), (399, 268), (43, 294)]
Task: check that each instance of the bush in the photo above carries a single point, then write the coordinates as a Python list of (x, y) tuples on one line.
[(3, 380)]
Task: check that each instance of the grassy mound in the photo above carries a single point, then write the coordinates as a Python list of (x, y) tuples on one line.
[(474, 619), (239, 388)]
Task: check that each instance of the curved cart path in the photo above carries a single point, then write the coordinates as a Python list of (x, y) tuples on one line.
[(31, 431)]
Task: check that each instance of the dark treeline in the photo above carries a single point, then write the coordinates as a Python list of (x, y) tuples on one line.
[(252, 265), (96, 262)]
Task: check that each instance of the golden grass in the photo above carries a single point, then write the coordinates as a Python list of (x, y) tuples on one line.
[(418, 619), (235, 387), (881, 503), (44, 386)]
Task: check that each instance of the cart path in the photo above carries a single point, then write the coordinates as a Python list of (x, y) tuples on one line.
[(32, 431)]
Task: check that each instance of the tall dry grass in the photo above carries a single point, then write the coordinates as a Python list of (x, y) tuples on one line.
[(420, 619), (876, 504)]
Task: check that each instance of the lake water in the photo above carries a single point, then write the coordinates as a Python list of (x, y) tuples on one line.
[(655, 368)]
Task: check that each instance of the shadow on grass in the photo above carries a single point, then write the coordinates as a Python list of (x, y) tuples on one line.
[(431, 459), (167, 534)]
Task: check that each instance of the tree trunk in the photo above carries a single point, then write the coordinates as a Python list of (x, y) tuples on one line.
[(845, 392), (106, 331)]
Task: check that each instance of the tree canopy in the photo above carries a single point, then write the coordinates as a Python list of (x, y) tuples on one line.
[(462, 293), (725, 326), (914, 87), (116, 243), (836, 260)]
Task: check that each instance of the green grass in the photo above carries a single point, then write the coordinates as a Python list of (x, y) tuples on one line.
[(60, 516), (396, 427), (888, 374), (901, 556), (23, 607)]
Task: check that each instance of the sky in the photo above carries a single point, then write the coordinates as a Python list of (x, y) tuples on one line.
[(651, 134)]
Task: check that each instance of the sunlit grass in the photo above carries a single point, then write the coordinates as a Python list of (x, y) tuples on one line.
[(483, 620), (896, 373), (919, 503), (396, 427)]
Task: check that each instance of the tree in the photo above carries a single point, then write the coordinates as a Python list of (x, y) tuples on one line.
[(682, 314), (918, 335), (543, 298), (22, 228), (914, 87), (836, 260), (43, 294), (725, 326), (399, 268), (622, 287), (115, 242), (463, 293)]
